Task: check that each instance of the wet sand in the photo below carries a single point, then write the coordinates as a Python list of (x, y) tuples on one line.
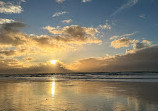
[(76, 95)]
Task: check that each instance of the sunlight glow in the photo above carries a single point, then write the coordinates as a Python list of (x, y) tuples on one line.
[(53, 88), (53, 61)]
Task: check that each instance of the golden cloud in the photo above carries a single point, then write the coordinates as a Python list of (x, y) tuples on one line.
[(122, 42), (14, 43), (74, 34)]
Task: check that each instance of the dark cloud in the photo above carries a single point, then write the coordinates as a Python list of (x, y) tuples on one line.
[(47, 68), (143, 44), (10, 34), (13, 26), (145, 59), (12, 52), (28, 59), (8, 52)]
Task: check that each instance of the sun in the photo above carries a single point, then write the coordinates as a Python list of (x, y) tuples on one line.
[(53, 61)]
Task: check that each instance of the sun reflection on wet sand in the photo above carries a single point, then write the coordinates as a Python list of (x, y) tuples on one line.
[(77, 95), (53, 87)]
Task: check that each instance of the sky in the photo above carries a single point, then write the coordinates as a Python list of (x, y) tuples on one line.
[(51, 36)]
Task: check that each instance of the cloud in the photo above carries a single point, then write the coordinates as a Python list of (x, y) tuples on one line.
[(59, 13), (126, 42), (13, 42), (67, 21), (122, 42), (9, 63), (46, 68), (60, 1), (10, 35), (129, 4), (9, 7), (7, 52), (144, 59), (23, 0), (106, 26), (28, 59), (3, 21), (15, 52), (13, 66), (121, 36), (47, 42), (86, 1), (74, 34), (16, 44), (139, 45), (143, 16)]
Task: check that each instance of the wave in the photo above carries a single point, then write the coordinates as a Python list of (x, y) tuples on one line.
[(94, 76)]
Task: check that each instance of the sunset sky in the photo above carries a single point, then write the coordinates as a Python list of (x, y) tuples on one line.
[(44, 36)]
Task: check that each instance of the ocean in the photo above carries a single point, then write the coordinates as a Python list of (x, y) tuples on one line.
[(87, 76)]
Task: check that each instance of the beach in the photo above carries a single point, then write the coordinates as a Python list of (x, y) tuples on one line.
[(77, 95)]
